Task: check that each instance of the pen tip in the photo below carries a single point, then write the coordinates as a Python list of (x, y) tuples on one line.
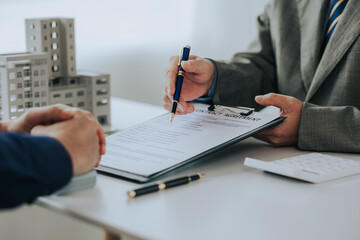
[(201, 175), (172, 115)]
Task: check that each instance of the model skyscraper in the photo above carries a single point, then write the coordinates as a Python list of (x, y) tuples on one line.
[(47, 74)]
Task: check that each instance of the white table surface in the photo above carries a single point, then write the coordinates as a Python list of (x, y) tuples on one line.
[(231, 202)]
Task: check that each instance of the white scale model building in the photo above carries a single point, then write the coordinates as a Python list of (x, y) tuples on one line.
[(46, 74)]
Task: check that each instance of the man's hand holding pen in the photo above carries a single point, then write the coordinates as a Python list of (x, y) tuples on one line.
[(198, 78)]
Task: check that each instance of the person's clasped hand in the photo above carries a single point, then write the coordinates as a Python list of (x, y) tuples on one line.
[(77, 130), (82, 137)]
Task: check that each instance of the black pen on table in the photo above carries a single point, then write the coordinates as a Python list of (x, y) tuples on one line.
[(164, 185), (184, 56)]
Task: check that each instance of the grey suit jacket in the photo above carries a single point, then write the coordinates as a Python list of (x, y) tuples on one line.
[(287, 58)]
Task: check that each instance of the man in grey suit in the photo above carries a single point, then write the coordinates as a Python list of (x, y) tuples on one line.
[(306, 61)]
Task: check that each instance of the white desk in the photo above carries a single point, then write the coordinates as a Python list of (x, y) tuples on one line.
[(231, 202)]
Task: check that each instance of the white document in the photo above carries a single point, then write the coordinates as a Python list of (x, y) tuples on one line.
[(157, 144)]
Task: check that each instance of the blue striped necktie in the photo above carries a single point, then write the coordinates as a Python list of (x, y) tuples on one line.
[(335, 10)]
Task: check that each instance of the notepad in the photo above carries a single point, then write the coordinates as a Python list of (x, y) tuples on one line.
[(155, 147), (78, 183)]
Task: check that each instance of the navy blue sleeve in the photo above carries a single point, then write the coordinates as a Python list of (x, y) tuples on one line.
[(31, 166)]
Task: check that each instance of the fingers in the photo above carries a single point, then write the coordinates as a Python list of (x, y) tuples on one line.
[(183, 107), (285, 133), (102, 140), (274, 99), (44, 115), (170, 75), (194, 66)]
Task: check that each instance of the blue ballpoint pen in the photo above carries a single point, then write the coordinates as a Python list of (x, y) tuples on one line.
[(184, 56)]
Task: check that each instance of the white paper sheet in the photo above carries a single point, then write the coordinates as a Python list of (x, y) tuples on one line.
[(157, 144)]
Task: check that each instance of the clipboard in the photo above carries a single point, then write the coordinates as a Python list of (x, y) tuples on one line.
[(109, 166)]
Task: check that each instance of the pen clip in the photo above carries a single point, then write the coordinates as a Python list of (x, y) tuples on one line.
[(247, 113)]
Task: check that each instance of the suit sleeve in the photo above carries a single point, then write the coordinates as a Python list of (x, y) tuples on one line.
[(249, 73), (31, 166), (320, 129)]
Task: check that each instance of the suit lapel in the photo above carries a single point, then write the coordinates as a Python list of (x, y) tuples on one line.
[(311, 20), (346, 31)]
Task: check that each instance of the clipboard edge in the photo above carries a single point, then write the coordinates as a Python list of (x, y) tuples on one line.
[(133, 177)]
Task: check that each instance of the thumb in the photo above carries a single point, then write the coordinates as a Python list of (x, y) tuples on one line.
[(48, 114), (273, 99), (193, 66), (38, 130)]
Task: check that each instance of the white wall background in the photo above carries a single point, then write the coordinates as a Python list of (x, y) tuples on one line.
[(131, 40)]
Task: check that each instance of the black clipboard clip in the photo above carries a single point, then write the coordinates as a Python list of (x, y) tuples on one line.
[(247, 111)]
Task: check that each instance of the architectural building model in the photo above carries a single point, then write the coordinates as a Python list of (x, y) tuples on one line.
[(47, 74)]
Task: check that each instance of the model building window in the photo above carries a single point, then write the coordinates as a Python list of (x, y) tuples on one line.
[(102, 119), (36, 84), (19, 85), (13, 109), (36, 73), (32, 37), (81, 104), (55, 57), (101, 92), (32, 26), (37, 94), (12, 98), (70, 104), (37, 104), (21, 108), (27, 83), (43, 83), (45, 37), (68, 95), (101, 81), (54, 35), (72, 81), (54, 46), (102, 102), (27, 73), (19, 75), (55, 68), (80, 93), (28, 94), (28, 104), (57, 95), (11, 75), (53, 24), (12, 87), (43, 94), (20, 96), (44, 26), (43, 104), (42, 72)]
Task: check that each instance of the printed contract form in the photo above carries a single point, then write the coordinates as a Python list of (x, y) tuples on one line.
[(156, 145)]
